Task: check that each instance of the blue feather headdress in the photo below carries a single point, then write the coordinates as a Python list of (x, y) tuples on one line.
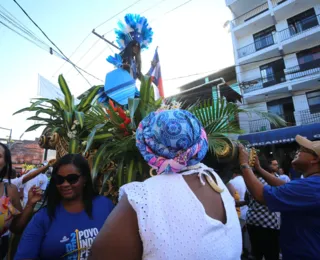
[(136, 27)]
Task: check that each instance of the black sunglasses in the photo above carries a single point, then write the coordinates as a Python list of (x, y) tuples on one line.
[(71, 179)]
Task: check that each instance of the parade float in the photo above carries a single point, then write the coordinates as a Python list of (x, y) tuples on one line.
[(102, 125)]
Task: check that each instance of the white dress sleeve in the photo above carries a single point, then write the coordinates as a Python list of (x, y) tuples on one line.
[(137, 195)]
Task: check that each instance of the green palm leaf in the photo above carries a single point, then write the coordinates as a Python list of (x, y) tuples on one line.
[(86, 101), (66, 91)]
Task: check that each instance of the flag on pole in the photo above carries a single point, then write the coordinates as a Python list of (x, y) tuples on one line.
[(155, 73)]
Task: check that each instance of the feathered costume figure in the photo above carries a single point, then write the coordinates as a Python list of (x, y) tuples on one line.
[(133, 35)]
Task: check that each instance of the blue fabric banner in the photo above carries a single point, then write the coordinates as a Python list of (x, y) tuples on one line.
[(283, 135)]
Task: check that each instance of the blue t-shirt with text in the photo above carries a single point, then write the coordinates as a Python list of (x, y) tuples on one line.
[(69, 236), (299, 204)]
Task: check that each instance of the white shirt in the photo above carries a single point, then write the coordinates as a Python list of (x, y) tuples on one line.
[(284, 178), (173, 223), (240, 186), (17, 182), (40, 181)]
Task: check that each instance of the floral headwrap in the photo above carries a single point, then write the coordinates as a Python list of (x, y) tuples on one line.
[(171, 140)]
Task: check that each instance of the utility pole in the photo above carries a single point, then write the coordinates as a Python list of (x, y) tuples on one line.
[(102, 37)]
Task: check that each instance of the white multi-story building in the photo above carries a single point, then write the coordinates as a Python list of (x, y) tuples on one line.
[(277, 55)]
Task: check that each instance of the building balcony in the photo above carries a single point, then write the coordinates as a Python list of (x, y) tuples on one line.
[(260, 83), (283, 9), (303, 35), (303, 70), (303, 117), (300, 78), (261, 125), (258, 45), (263, 48), (253, 20)]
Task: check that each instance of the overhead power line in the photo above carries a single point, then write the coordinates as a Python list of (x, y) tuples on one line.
[(28, 39), (114, 16), (39, 43), (51, 41), (85, 54), (88, 37), (72, 54), (19, 26), (143, 12)]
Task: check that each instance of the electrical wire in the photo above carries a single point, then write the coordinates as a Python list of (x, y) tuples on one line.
[(72, 54), (85, 54), (143, 12), (44, 47), (26, 38), (51, 41), (8, 17), (114, 16), (170, 11), (88, 37), (243, 64)]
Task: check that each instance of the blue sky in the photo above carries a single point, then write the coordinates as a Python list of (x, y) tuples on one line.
[(191, 40)]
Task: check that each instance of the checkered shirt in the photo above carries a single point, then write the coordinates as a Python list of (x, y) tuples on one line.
[(259, 215)]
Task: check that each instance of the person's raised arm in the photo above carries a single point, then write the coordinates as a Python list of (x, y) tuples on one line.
[(35, 173), (254, 186), (119, 237), (268, 177), (21, 221)]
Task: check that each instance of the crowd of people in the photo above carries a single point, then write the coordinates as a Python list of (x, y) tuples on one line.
[(184, 212)]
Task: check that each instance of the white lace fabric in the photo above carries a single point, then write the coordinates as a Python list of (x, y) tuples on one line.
[(173, 224)]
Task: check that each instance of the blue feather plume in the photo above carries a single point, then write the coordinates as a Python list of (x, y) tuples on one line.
[(136, 27), (116, 60)]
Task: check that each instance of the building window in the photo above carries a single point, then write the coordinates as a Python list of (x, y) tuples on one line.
[(302, 21), (264, 38), (309, 59), (314, 101), (272, 73), (284, 108)]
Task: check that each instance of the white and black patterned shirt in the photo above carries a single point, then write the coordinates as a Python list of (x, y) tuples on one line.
[(259, 215)]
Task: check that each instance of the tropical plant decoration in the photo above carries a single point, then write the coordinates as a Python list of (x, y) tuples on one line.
[(63, 117), (105, 133)]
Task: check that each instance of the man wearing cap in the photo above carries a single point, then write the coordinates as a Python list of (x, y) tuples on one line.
[(298, 200)]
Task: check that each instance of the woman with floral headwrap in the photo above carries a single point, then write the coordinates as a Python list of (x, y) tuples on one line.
[(185, 212)]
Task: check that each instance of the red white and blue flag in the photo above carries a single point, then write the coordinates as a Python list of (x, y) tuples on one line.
[(155, 73)]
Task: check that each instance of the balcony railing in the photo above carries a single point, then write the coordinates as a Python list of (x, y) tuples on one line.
[(251, 14), (261, 83), (258, 45), (303, 70), (303, 117), (277, 2), (261, 125), (306, 117), (300, 27)]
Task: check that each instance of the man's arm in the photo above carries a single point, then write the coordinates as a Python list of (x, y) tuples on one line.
[(254, 186)]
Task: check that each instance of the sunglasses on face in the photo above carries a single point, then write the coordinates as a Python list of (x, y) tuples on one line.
[(71, 179)]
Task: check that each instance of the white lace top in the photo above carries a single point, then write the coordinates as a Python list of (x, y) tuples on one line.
[(173, 224)]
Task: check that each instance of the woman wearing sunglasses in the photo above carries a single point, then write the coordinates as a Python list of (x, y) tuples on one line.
[(72, 218)]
